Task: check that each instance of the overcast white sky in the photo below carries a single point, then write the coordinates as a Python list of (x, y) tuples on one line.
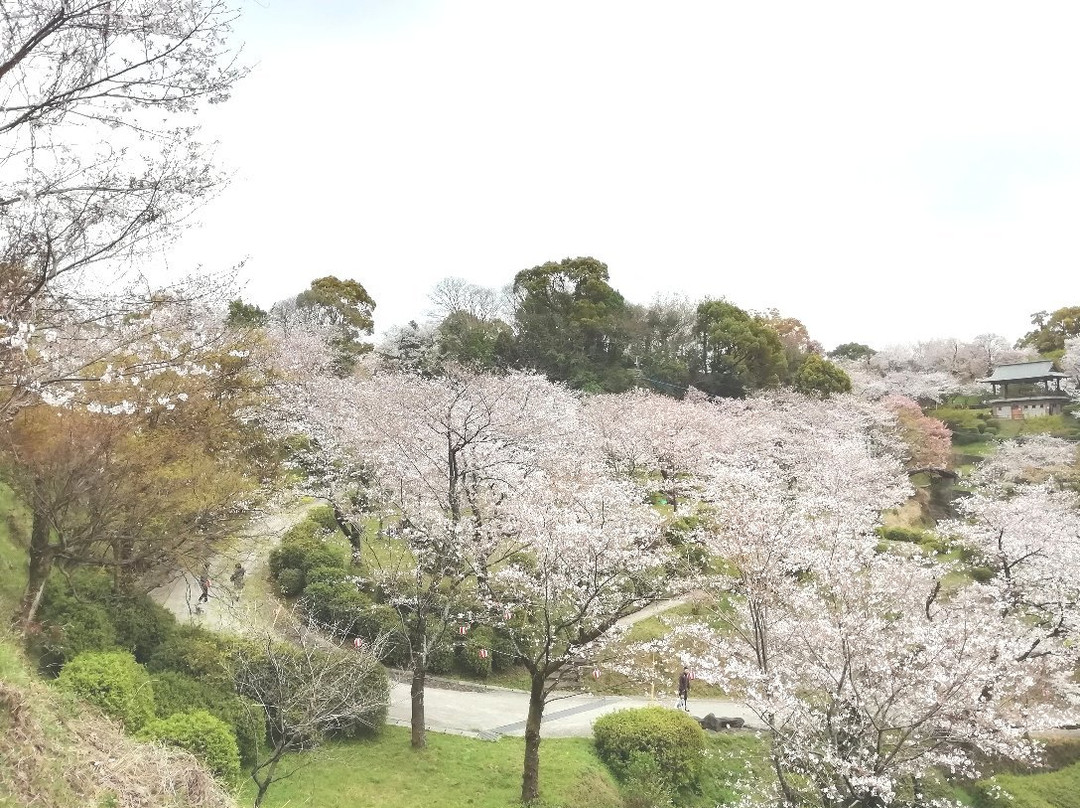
[(884, 172)]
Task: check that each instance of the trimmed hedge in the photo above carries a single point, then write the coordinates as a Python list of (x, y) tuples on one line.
[(204, 735), (83, 612), (176, 693), (196, 652), (669, 737), (114, 682)]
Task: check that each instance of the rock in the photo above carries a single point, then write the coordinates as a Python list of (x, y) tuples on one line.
[(714, 723)]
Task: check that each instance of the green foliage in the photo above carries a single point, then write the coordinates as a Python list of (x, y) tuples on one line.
[(176, 692), (290, 581), (196, 652), (323, 516), (570, 324), (441, 659), (671, 738), (338, 604), (204, 735), (645, 784), (245, 315), (379, 620), (472, 664), (854, 351), (114, 682), (1051, 330), (347, 307), (141, 625), (905, 534), (83, 612), (736, 352), (821, 378), (967, 425)]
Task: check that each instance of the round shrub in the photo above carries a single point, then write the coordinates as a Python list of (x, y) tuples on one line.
[(71, 628), (290, 581), (337, 604), (381, 621), (176, 693), (141, 625), (326, 575), (323, 516), (204, 735), (196, 652), (441, 659), (114, 682), (670, 737)]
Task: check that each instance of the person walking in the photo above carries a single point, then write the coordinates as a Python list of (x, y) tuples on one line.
[(684, 689), (237, 579), (204, 584)]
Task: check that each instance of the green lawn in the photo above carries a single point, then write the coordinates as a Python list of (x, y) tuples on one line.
[(452, 771)]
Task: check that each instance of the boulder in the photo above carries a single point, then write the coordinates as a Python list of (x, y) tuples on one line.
[(715, 723)]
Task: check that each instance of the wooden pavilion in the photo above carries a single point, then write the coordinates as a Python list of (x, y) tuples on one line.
[(1026, 390)]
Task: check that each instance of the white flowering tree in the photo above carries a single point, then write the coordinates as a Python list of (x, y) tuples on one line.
[(454, 461), (1029, 537), (101, 160), (594, 558), (867, 675)]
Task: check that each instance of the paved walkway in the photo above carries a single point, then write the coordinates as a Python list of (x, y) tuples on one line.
[(479, 711), (495, 712), (229, 610)]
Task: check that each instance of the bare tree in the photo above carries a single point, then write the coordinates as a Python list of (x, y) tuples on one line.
[(457, 295), (308, 687)]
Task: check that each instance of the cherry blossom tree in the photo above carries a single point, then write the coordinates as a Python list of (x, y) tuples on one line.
[(101, 161), (595, 557), (867, 675), (454, 461), (1029, 538), (929, 440)]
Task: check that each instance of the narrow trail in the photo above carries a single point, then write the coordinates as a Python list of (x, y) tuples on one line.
[(229, 609), (474, 710)]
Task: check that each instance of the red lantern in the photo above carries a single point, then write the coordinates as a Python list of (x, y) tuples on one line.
[(692, 674), (358, 643), (462, 629), (596, 673), (507, 615), (484, 653)]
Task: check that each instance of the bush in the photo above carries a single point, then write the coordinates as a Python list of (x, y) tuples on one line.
[(469, 653), (141, 625), (204, 735), (290, 581), (196, 652), (337, 604), (905, 534), (383, 621), (441, 659), (326, 575), (71, 628), (323, 516), (83, 612), (671, 738), (114, 682), (176, 693)]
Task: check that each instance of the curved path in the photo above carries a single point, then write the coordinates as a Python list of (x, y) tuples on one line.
[(474, 710)]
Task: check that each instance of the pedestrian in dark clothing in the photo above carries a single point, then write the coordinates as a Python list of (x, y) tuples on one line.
[(204, 585), (237, 579), (684, 688)]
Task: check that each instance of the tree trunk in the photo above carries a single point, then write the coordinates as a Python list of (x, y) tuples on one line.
[(419, 736), (267, 779), (41, 560), (530, 778)]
